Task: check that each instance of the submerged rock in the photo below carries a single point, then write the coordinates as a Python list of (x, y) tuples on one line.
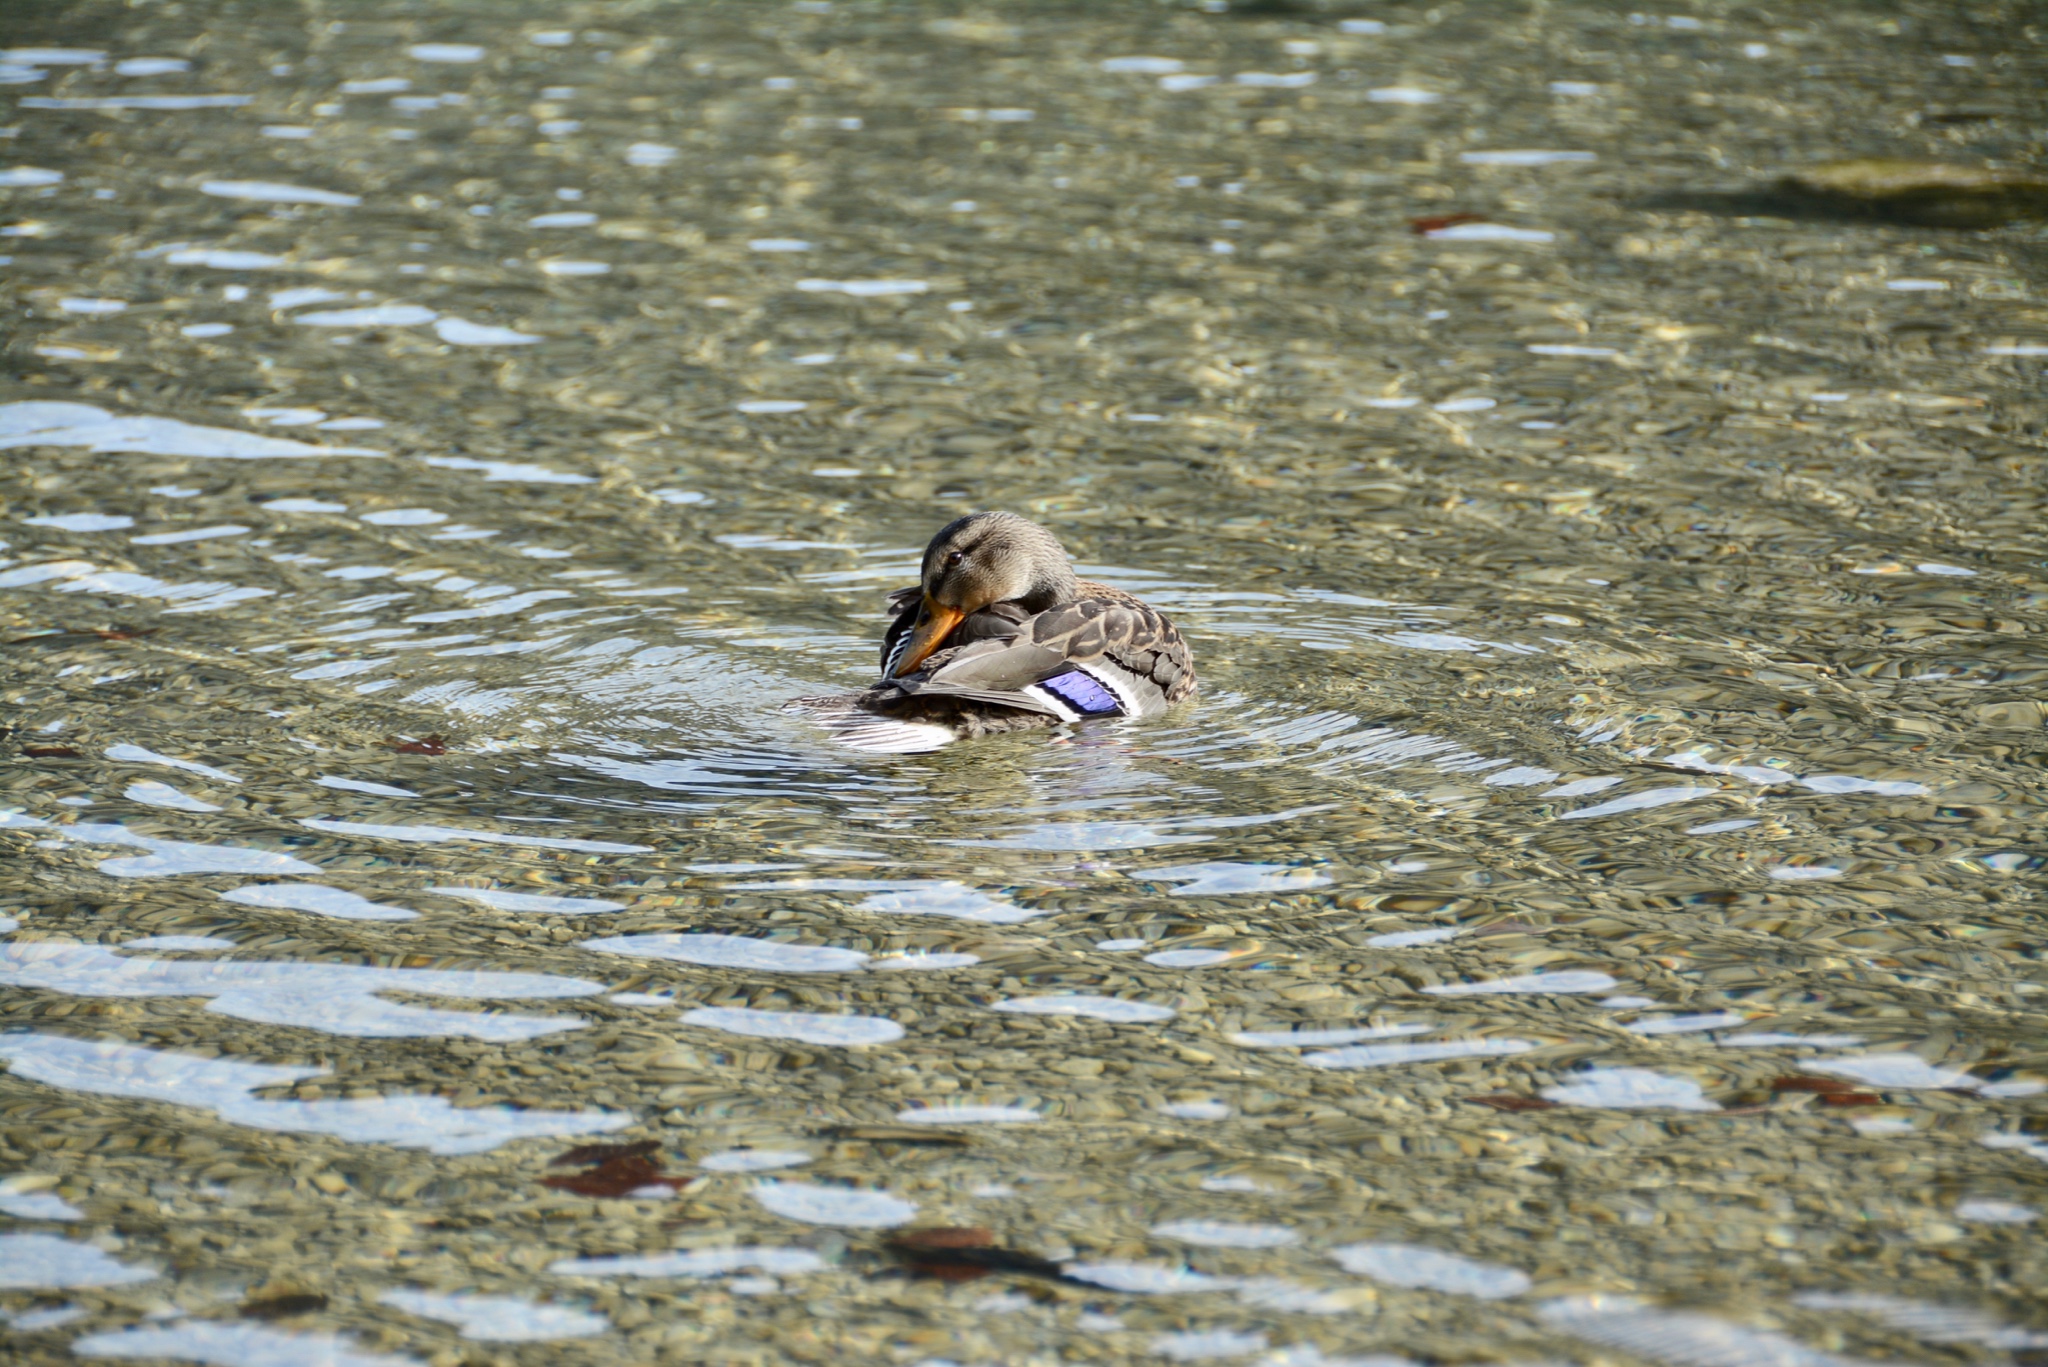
[(1923, 194), (1930, 193)]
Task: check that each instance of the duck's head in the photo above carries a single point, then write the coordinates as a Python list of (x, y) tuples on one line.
[(978, 561)]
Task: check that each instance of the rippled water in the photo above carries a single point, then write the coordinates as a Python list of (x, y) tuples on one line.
[(1592, 910)]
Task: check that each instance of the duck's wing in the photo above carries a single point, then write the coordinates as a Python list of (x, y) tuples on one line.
[(1102, 654)]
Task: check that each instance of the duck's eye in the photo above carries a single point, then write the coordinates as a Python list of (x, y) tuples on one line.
[(954, 557)]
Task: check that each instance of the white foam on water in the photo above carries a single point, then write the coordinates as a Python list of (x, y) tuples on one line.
[(1182, 81), (1189, 958), (458, 332), (206, 330), (573, 268), (81, 522), (845, 1207), (1226, 879), (696, 1262), (180, 537), (506, 900), (1227, 1234), (93, 306), (1488, 232), (1194, 1110), (771, 406), (1639, 801), (1905, 1072), (35, 1205), (808, 1027), (1143, 66), (434, 835), (1402, 94), (1408, 939), (1926, 1320), (1525, 156), (1569, 981), (1432, 1269), (864, 289), (1303, 1039), (1630, 1089), (1386, 1055), (303, 294), (1146, 1279), (733, 951), (445, 52), (1989, 1212), (354, 785), (153, 794), (220, 1343), (778, 244), (274, 192), (1682, 1338), (190, 943), (498, 1319), (224, 259), (922, 898), (650, 154), (53, 56), (2018, 349), (1805, 873), (45, 1262), (1579, 787), (950, 1114), (753, 1160), (1114, 1009), (135, 102), (318, 899), (1200, 1345), (1568, 349), (169, 858), (920, 961), (227, 1087), (1286, 81), (572, 218), (43, 423), (336, 999), (380, 316), (150, 66)]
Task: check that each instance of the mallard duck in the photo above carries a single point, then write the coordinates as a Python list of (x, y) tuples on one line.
[(1000, 635)]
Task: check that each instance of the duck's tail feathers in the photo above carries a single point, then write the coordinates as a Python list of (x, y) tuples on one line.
[(856, 729)]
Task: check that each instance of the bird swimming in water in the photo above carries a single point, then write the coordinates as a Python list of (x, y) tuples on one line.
[(1000, 635)]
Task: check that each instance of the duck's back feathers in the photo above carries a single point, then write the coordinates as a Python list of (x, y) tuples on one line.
[(1104, 653)]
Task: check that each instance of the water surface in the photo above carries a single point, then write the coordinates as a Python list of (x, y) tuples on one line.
[(1591, 914)]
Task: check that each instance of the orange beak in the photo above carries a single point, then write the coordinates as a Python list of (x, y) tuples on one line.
[(934, 624)]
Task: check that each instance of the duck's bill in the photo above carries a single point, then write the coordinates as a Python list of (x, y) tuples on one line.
[(934, 625)]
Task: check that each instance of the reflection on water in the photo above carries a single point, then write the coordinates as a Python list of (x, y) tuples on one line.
[(1592, 909)]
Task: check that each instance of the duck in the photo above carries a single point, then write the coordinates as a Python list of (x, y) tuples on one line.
[(999, 634)]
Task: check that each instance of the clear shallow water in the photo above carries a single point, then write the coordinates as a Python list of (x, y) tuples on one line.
[(439, 443)]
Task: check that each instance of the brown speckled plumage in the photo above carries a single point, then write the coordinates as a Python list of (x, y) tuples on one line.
[(1001, 636)]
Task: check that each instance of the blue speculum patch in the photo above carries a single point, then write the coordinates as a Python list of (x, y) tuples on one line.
[(1082, 692)]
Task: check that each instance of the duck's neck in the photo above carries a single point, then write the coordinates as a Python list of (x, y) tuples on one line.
[(1052, 583)]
